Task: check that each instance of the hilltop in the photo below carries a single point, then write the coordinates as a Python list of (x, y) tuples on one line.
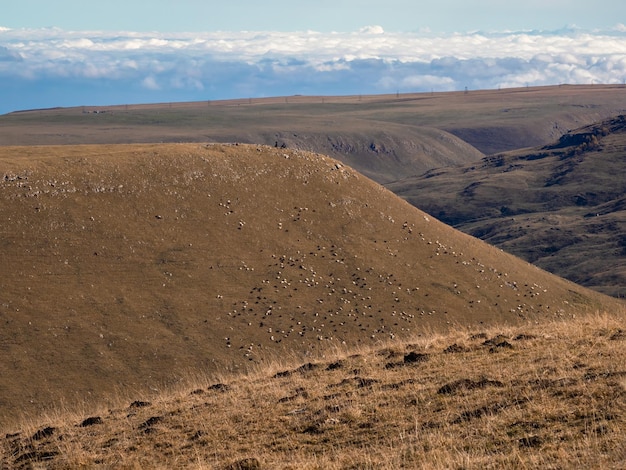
[(125, 267), (560, 206)]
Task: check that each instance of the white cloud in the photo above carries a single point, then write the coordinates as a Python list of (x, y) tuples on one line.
[(215, 65), (7, 55), (374, 29), (150, 83), (425, 81)]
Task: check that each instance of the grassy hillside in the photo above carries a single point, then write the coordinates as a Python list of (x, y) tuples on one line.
[(534, 396), (127, 266), (560, 206)]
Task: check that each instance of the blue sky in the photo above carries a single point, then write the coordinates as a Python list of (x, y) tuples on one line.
[(319, 15), (74, 53)]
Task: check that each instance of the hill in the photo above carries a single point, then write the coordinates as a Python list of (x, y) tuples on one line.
[(559, 206), (551, 395), (127, 266)]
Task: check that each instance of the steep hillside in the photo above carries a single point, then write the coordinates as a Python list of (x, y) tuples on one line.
[(560, 206), (126, 266), (384, 153)]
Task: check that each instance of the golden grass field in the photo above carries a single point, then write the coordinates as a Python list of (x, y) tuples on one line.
[(548, 396), (395, 139)]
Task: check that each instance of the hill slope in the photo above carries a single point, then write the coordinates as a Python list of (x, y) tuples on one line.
[(551, 396), (125, 266), (560, 206), (382, 151)]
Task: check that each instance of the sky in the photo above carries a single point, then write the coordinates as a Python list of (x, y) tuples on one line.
[(88, 52), (301, 15)]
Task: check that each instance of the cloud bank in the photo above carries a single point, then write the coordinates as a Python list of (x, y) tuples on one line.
[(52, 67)]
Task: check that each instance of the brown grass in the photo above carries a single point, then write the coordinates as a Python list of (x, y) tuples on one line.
[(548, 396), (124, 267), (197, 306)]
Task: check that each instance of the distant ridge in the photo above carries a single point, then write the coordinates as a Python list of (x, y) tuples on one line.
[(386, 137), (560, 206)]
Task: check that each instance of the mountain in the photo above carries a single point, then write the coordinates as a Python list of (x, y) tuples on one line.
[(559, 206), (127, 266)]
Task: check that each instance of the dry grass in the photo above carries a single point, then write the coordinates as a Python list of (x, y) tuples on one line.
[(548, 396), (138, 266), (134, 264), (392, 137)]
